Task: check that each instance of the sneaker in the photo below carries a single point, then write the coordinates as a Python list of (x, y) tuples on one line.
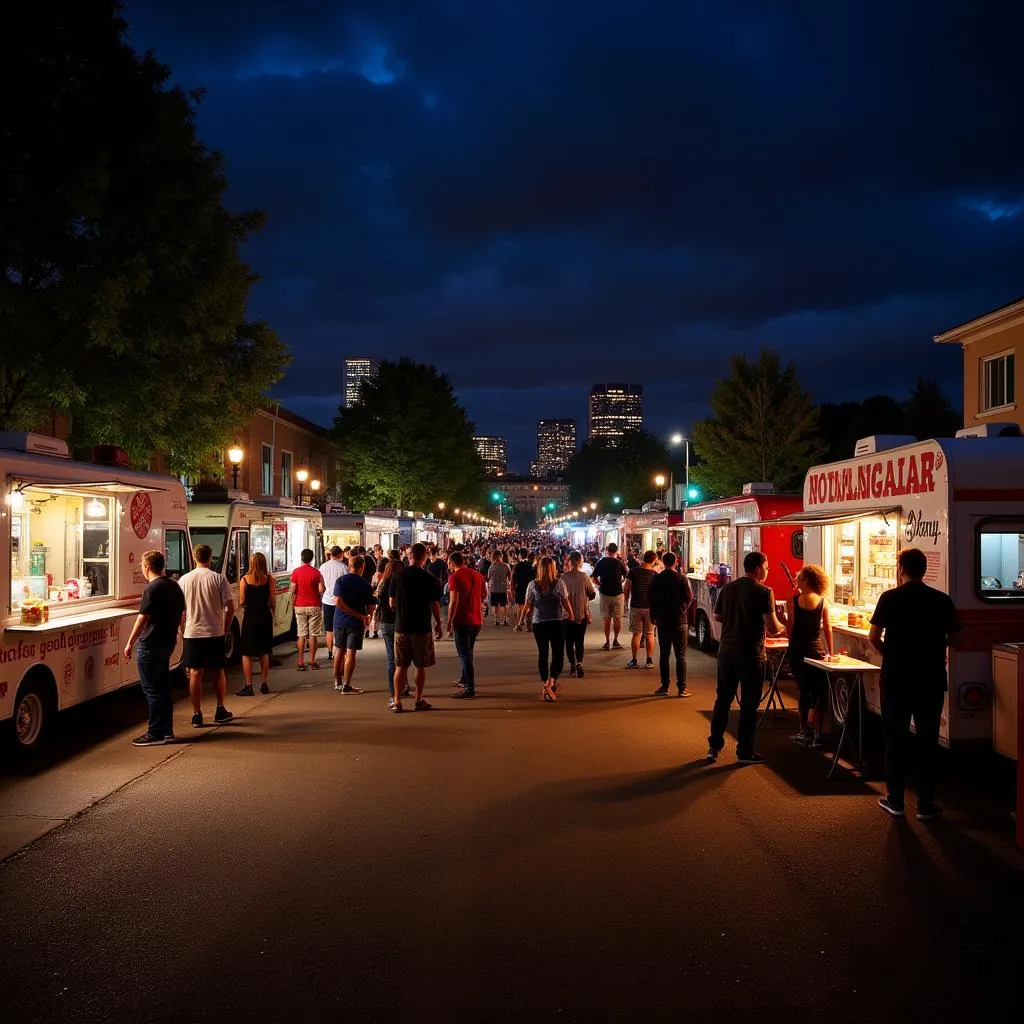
[(459, 684), (816, 742), (616, 646), (684, 692), (264, 688), (579, 671), (301, 668), (661, 691), (170, 738), (464, 695), (631, 663), (752, 758), (338, 688), (222, 714), (245, 691), (375, 636), (572, 671), (395, 707), (605, 647), (422, 705), (928, 811), (146, 740), (349, 688), (711, 756), (801, 737), (197, 720), (890, 808), (649, 663)]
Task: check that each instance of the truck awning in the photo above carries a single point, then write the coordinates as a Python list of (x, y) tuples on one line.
[(73, 487), (826, 517)]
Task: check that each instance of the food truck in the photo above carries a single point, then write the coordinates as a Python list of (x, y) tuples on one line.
[(715, 535), (74, 534), (961, 501), (235, 527), (342, 528)]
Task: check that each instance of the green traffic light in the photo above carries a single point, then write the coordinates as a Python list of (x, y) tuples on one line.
[(693, 494), (616, 500)]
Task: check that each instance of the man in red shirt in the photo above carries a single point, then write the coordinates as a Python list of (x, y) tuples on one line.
[(465, 604), (307, 588)]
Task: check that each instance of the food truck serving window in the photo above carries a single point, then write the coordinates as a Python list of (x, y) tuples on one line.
[(60, 547), (999, 558), (860, 556)]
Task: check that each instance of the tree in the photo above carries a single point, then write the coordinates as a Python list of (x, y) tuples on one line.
[(122, 302), (764, 427), (927, 412), (407, 443), (600, 472), (843, 424)]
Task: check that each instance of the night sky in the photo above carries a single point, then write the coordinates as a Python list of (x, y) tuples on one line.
[(539, 195)]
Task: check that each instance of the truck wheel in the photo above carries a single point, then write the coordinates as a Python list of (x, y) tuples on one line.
[(232, 646), (34, 708), (704, 640)]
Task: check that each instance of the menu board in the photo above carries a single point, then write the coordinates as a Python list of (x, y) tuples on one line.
[(280, 562)]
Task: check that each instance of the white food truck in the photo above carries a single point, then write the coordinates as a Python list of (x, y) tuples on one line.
[(235, 527), (961, 501), (73, 535)]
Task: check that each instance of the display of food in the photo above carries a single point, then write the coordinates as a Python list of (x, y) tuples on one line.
[(856, 620), (34, 612)]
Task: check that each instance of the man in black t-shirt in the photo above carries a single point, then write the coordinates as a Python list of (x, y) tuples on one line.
[(911, 628), (156, 633), (523, 573), (745, 608), (609, 574), (415, 597)]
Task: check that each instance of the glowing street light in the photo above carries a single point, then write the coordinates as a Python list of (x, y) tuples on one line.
[(302, 475), (235, 455)]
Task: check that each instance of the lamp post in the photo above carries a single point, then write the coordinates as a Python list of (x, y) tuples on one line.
[(302, 475), (680, 439), (314, 491), (235, 454), (659, 481)]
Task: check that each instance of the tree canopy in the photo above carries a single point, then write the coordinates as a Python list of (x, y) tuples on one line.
[(600, 472), (407, 443), (764, 427), (122, 302)]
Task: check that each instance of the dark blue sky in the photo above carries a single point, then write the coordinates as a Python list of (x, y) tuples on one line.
[(537, 195)]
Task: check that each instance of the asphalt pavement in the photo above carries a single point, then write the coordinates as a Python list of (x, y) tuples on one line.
[(499, 859)]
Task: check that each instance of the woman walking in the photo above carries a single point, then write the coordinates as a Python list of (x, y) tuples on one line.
[(547, 601), (256, 598), (581, 592), (810, 636)]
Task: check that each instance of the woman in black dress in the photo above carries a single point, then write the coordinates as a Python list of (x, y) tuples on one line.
[(256, 598), (810, 636)]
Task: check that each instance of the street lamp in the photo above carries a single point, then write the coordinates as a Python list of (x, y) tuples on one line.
[(680, 439), (235, 454), (314, 489), (302, 475)]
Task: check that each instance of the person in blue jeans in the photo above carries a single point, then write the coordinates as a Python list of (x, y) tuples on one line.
[(153, 637), (465, 606), (387, 567)]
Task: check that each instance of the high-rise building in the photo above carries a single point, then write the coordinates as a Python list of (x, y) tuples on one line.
[(556, 445), (614, 410), (357, 370), (493, 452)]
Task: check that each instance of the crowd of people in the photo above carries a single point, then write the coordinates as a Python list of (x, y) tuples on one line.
[(412, 597)]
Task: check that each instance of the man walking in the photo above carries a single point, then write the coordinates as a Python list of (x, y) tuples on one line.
[(308, 589), (635, 590), (522, 576), (330, 571), (155, 632), (581, 592), (669, 598), (498, 577), (911, 629), (353, 600), (415, 599), (465, 619), (209, 610), (745, 608), (609, 574)]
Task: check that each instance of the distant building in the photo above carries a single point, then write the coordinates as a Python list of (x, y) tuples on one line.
[(615, 409), (529, 494), (493, 452), (357, 370), (556, 445)]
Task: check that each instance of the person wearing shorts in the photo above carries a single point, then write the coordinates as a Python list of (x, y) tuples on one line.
[(609, 574), (209, 610), (499, 575), (416, 598), (353, 600), (307, 589), (635, 590), (330, 571)]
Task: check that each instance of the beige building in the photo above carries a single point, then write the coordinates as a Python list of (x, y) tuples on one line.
[(993, 347), (528, 493)]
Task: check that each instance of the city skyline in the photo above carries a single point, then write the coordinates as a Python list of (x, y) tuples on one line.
[(838, 189)]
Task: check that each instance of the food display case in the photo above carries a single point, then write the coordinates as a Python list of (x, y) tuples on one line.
[(860, 556)]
